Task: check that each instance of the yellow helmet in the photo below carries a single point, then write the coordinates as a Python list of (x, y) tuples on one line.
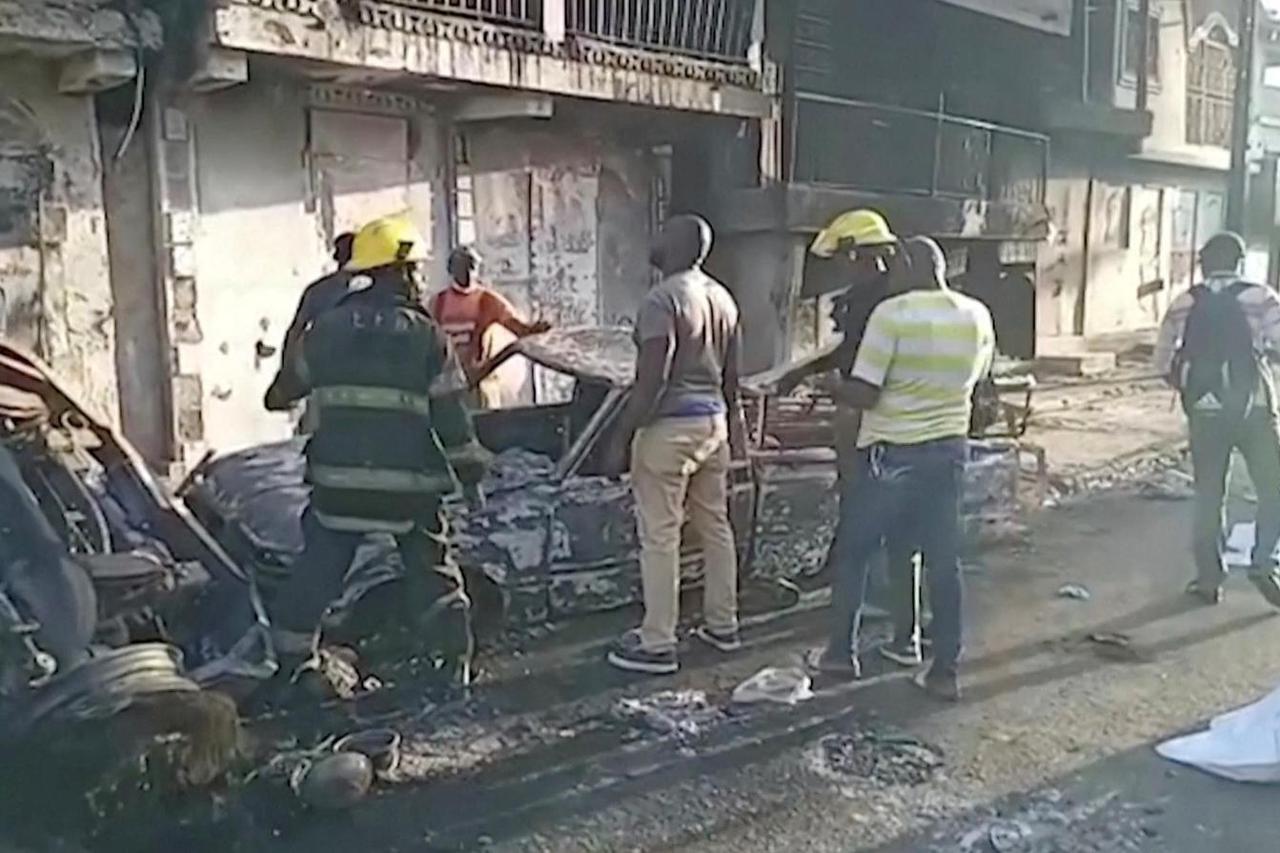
[(385, 241), (861, 227)]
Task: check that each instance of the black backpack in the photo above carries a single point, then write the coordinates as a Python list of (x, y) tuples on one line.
[(1217, 369)]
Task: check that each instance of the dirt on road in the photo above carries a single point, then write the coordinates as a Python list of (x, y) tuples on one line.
[(1049, 752)]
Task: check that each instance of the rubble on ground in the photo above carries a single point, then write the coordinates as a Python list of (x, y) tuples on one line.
[(683, 714), (882, 758), (1170, 484), (1157, 473), (1049, 822)]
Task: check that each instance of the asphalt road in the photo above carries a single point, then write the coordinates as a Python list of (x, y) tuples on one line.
[(1051, 751)]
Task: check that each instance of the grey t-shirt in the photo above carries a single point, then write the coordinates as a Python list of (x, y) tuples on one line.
[(698, 318)]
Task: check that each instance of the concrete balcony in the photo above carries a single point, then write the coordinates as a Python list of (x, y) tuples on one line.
[(674, 54)]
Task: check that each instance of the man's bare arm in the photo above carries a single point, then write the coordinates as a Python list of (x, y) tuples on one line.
[(732, 396)]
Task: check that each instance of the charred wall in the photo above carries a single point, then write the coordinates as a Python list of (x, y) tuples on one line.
[(55, 295)]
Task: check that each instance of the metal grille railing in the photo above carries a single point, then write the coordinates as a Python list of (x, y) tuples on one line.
[(523, 13), (1211, 72), (714, 29), (880, 148)]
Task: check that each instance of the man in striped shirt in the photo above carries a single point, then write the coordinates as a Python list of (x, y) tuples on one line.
[(1219, 423), (924, 350)]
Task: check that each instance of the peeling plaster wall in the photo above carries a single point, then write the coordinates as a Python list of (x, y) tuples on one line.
[(1122, 245), (1128, 258), (266, 208), (77, 22), (764, 271), (562, 219), (53, 258), (1061, 263)]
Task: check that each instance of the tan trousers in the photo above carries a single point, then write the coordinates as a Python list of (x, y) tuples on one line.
[(680, 464)]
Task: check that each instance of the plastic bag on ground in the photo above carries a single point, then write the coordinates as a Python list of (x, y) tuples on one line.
[(784, 686), (1242, 745)]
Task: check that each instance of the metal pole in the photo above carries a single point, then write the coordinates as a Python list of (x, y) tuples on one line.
[(1241, 117), (1085, 47), (1144, 53)]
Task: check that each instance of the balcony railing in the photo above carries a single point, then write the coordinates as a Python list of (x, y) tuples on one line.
[(714, 29), (717, 30), (880, 148), (520, 13)]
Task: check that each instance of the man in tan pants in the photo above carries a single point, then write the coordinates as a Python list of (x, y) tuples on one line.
[(681, 421)]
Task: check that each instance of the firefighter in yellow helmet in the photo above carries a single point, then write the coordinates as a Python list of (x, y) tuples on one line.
[(393, 439), (862, 241)]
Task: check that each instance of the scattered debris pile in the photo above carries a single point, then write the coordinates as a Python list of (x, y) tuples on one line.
[(991, 504), (1049, 822), (883, 758), (1169, 484), (1151, 474), (516, 467), (683, 714)]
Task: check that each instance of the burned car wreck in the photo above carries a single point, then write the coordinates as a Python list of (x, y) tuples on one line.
[(108, 588), (126, 631), (556, 537)]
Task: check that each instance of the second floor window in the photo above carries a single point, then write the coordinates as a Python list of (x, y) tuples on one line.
[(1211, 72), (1133, 41)]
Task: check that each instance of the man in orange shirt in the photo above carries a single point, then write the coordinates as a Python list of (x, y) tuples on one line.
[(467, 311)]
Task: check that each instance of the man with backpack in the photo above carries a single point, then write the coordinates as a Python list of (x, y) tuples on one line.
[(1216, 346)]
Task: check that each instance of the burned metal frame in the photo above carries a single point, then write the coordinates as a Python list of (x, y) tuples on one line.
[(250, 658), (931, 149)]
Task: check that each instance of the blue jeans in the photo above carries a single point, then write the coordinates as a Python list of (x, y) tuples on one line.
[(909, 493)]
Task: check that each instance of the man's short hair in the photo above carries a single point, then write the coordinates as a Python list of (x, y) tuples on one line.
[(923, 260), (1223, 252), (688, 235), (464, 254)]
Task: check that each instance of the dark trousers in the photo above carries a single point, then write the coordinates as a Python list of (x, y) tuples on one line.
[(909, 493), (902, 569), (433, 602), (1213, 438)]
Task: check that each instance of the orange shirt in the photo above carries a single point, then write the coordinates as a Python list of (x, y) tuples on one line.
[(466, 314)]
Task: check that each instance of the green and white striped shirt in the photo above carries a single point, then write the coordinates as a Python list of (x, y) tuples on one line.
[(925, 350)]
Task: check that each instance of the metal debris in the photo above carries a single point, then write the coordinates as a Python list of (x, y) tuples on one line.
[(1050, 823), (380, 746), (1117, 647), (682, 713), (886, 759), (1007, 835), (337, 781), (1168, 485)]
